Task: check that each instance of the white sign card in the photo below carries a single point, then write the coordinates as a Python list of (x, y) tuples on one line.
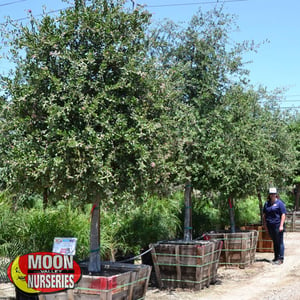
[(66, 246)]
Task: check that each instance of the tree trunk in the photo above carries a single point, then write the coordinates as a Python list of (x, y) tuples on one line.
[(45, 198), (188, 212), (297, 196), (260, 203), (231, 216), (94, 262)]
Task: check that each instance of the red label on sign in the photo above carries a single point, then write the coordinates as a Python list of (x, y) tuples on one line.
[(44, 272)]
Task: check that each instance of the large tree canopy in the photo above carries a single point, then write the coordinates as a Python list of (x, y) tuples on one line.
[(85, 108), (245, 146), (233, 139)]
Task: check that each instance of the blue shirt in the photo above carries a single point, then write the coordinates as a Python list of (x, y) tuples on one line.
[(274, 211)]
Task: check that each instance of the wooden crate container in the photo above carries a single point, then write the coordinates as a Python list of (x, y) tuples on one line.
[(119, 281), (238, 248), (180, 264), (292, 221), (264, 241)]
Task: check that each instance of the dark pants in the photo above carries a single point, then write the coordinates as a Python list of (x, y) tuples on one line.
[(277, 238)]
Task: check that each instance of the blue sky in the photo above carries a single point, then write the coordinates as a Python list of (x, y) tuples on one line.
[(277, 63)]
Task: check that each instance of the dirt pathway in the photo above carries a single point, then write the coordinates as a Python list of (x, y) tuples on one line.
[(262, 280)]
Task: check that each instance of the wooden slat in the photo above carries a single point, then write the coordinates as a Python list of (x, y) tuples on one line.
[(199, 270), (178, 267), (156, 267), (211, 259), (226, 248), (147, 280), (133, 277), (245, 255)]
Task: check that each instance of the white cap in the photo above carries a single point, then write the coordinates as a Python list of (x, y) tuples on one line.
[(272, 191)]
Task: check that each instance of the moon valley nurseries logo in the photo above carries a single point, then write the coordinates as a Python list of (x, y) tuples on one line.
[(44, 272)]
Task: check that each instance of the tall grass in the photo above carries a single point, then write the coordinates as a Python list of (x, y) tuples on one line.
[(125, 229), (35, 229), (152, 220), (247, 211)]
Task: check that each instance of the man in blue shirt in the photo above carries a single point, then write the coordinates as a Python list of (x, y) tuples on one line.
[(274, 212)]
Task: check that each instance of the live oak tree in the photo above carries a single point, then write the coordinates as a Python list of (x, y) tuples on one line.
[(252, 143), (295, 129), (230, 142), (85, 112), (206, 68)]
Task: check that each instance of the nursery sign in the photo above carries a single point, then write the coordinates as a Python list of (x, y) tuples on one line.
[(44, 272)]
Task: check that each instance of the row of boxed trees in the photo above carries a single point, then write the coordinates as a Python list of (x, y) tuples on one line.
[(100, 103)]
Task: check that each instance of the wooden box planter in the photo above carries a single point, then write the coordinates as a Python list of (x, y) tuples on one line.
[(180, 264), (292, 221), (238, 248), (116, 281), (264, 241)]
